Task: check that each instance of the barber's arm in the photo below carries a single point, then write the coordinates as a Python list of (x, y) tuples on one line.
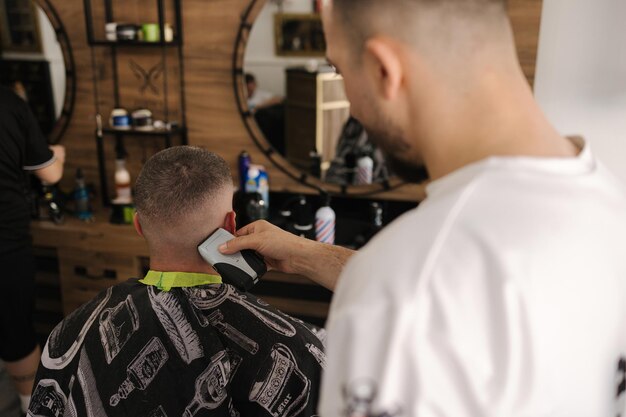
[(52, 173), (288, 253), (43, 160)]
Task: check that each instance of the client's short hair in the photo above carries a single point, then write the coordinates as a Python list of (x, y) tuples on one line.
[(178, 180)]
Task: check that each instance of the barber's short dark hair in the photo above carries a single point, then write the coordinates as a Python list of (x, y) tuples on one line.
[(178, 180), (357, 15), (250, 78), (345, 6)]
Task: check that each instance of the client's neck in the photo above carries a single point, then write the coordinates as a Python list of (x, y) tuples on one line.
[(165, 264)]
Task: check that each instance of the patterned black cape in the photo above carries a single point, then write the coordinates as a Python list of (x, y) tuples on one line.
[(203, 351)]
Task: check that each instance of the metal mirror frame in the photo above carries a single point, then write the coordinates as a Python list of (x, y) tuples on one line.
[(281, 163), (63, 121)]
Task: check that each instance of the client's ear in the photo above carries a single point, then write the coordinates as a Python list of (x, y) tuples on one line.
[(230, 224), (137, 225)]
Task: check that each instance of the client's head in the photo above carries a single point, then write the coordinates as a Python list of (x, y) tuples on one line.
[(182, 195)]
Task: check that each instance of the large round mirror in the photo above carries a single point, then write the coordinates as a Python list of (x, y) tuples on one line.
[(37, 63), (294, 104)]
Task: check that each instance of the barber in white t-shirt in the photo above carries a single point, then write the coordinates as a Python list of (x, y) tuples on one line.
[(503, 293)]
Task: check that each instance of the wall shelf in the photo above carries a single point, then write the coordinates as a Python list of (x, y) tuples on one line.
[(153, 88), (136, 44), (139, 132)]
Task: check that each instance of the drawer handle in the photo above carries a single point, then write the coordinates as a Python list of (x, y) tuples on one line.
[(106, 273)]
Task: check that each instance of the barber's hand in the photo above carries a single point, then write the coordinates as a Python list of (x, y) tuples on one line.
[(280, 249), (59, 152), (285, 252)]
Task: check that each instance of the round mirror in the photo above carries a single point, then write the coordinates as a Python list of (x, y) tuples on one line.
[(37, 62), (294, 104)]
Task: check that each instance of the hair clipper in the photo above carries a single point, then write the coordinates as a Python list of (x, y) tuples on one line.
[(242, 269)]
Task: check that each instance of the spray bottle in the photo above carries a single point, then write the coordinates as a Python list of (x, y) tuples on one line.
[(365, 170), (122, 183), (325, 222)]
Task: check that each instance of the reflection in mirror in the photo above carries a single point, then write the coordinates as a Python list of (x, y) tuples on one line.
[(33, 63), (299, 102)]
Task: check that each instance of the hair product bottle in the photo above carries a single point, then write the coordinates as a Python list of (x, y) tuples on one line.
[(365, 169), (122, 183), (303, 221), (81, 198), (325, 222)]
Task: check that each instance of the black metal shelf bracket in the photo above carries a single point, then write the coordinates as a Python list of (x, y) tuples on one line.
[(114, 46)]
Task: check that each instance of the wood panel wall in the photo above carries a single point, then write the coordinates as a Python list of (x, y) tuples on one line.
[(210, 28)]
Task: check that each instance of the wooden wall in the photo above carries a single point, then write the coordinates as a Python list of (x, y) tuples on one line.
[(210, 28)]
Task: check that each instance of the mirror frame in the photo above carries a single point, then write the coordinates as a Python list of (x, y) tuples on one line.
[(248, 17), (63, 121)]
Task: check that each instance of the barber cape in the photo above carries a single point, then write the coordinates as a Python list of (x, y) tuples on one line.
[(194, 350), (503, 294)]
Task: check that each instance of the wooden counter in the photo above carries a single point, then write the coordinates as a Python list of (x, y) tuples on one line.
[(92, 256)]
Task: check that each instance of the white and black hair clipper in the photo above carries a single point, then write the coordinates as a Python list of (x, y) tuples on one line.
[(242, 269)]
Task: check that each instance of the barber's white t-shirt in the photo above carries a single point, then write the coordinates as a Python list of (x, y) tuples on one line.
[(502, 294)]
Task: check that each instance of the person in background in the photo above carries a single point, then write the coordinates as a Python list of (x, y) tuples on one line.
[(504, 292), (354, 142), (179, 342), (258, 98), (23, 150), (269, 113)]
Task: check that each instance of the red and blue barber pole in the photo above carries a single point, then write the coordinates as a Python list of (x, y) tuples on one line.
[(325, 224)]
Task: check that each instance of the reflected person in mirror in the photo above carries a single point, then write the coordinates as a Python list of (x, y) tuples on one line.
[(354, 142), (257, 97), (179, 342), (23, 150), (269, 112), (504, 292)]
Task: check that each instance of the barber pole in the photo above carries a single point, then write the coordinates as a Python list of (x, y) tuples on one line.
[(325, 224), (325, 231)]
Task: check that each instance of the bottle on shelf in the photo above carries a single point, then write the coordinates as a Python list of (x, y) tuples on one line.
[(376, 219), (364, 170), (303, 219), (325, 219), (255, 208), (54, 210), (316, 164), (122, 183), (243, 165), (256, 193), (258, 182), (81, 198)]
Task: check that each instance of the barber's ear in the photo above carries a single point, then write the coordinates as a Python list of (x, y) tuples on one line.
[(137, 224), (229, 222), (381, 56)]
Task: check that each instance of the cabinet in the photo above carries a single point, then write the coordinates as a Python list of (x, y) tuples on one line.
[(91, 256), (316, 110), (145, 72)]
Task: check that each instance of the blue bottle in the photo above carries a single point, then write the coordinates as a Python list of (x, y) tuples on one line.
[(81, 198), (243, 164)]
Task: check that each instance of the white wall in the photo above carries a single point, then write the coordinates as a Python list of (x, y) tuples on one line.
[(581, 73), (260, 58)]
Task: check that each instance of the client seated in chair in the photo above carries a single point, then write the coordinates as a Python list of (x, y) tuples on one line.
[(179, 341)]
